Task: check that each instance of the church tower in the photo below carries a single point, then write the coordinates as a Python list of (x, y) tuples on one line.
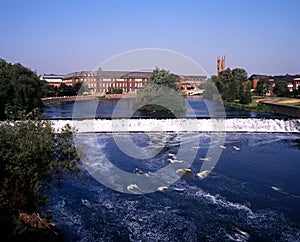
[(220, 64)]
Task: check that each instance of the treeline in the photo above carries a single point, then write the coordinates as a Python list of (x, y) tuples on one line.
[(229, 85), (33, 158), (79, 88), (20, 90)]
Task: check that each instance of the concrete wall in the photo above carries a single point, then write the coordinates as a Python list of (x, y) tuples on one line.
[(283, 109)]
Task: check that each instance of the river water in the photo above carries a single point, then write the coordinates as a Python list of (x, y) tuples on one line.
[(251, 194)]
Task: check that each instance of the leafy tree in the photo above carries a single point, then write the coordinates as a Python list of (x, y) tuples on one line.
[(281, 89), (79, 88), (161, 93), (223, 81), (246, 97), (32, 159), (263, 86), (210, 90), (20, 89), (162, 77), (233, 85)]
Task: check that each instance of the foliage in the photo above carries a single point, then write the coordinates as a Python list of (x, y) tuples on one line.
[(161, 93), (263, 86), (67, 90), (246, 98), (162, 77), (20, 89), (32, 157), (115, 91), (233, 85), (210, 90), (257, 107), (281, 89)]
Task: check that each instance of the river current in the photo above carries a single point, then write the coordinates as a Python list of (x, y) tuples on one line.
[(251, 194)]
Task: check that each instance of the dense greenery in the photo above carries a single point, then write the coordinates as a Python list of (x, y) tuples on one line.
[(263, 86), (20, 89), (210, 90), (79, 88), (161, 93), (32, 157), (281, 89), (115, 91), (231, 85)]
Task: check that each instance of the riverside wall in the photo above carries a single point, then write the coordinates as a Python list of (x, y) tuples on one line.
[(55, 100), (284, 109)]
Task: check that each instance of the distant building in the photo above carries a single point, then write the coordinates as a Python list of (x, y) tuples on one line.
[(191, 81), (221, 64), (293, 81), (102, 81), (52, 79), (255, 79)]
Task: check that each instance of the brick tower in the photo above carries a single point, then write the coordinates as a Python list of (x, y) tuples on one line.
[(220, 64)]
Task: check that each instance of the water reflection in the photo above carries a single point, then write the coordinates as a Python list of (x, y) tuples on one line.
[(105, 108)]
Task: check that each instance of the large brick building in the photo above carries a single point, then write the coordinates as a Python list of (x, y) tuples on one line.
[(102, 81), (293, 81)]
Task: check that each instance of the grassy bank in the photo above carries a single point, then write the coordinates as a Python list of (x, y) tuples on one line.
[(255, 105)]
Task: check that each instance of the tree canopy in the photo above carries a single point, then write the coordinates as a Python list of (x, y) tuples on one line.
[(263, 86), (161, 93), (231, 84), (281, 89), (20, 89), (32, 158)]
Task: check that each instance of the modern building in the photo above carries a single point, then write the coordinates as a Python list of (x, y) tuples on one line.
[(293, 81), (52, 79)]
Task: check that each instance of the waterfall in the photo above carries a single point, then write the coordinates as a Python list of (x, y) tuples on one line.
[(232, 125)]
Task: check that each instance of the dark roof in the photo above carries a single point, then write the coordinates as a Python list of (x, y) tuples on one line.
[(277, 78), (137, 74), (285, 78), (257, 76), (108, 74), (76, 74), (191, 78)]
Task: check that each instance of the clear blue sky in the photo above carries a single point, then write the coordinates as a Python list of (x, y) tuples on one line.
[(262, 36)]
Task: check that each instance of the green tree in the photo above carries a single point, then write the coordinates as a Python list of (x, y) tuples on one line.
[(210, 90), (161, 93), (281, 89), (223, 81), (32, 159), (20, 89), (231, 84), (163, 77), (246, 97), (79, 88), (263, 86)]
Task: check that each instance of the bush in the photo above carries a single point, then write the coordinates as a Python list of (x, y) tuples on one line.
[(32, 157), (246, 98)]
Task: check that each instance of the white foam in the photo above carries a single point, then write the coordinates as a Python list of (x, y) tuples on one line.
[(170, 125)]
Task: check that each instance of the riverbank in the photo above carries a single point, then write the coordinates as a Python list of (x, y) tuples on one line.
[(283, 106), (64, 99), (256, 106)]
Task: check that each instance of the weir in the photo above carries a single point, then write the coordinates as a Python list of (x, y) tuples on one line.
[(232, 125)]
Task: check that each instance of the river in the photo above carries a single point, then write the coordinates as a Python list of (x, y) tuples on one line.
[(251, 194)]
